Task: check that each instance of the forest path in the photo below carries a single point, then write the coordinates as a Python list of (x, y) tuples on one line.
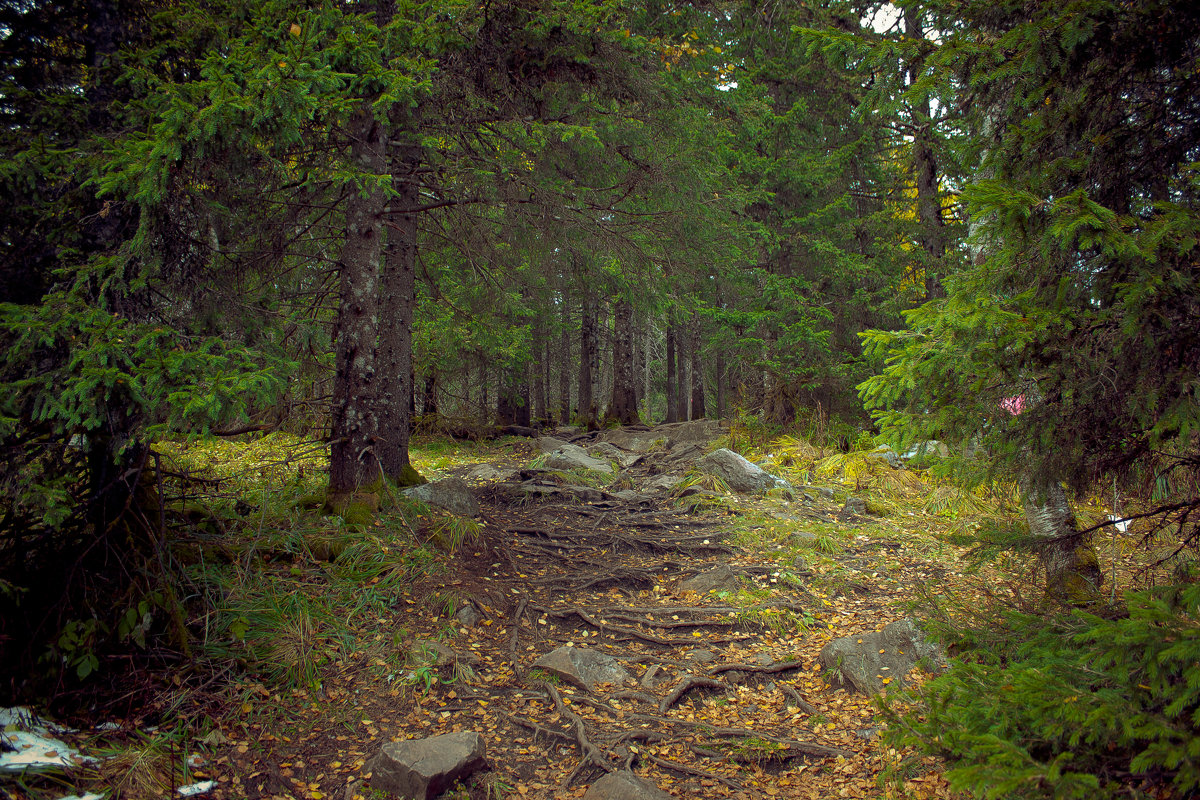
[(724, 698)]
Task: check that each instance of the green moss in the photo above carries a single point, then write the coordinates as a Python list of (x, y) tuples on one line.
[(408, 477), (358, 508)]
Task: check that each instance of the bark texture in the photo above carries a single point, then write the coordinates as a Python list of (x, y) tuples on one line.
[(1073, 574), (397, 298), (623, 407), (353, 458)]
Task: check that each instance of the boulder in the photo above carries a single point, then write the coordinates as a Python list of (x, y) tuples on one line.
[(863, 662), (422, 769), (452, 494), (887, 454), (661, 483), (624, 785), (572, 456), (720, 579), (929, 447), (582, 667), (548, 444), (697, 431), (740, 474)]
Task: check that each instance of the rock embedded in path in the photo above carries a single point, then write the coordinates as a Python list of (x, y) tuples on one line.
[(421, 769), (582, 667), (572, 456), (855, 506), (623, 785), (608, 452), (548, 444), (740, 474), (863, 662), (452, 494), (723, 578)]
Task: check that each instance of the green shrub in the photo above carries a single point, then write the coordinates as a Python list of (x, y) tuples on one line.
[(1070, 707)]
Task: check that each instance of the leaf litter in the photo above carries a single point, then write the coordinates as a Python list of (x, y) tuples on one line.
[(727, 699)]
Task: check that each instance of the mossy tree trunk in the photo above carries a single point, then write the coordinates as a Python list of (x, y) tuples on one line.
[(1073, 574)]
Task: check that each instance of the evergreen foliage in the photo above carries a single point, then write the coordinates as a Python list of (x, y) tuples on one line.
[(1071, 707)]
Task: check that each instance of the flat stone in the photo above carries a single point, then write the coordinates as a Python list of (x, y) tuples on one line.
[(572, 456), (486, 472), (452, 494), (583, 667), (548, 444), (663, 482), (421, 769), (700, 656), (720, 579), (623, 785), (862, 662)]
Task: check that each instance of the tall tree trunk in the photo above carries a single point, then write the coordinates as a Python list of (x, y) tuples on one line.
[(1073, 574), (587, 362), (564, 356), (538, 346), (698, 411), (429, 400), (672, 382), (397, 297), (682, 396), (719, 368), (354, 469), (623, 407), (924, 167), (512, 395)]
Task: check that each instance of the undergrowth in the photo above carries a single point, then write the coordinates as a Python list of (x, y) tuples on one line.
[(1070, 706)]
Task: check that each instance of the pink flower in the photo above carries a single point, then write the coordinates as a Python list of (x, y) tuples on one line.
[(1013, 405)]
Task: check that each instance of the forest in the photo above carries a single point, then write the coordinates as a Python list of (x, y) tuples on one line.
[(268, 267)]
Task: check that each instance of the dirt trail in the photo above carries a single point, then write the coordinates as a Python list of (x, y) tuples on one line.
[(726, 699)]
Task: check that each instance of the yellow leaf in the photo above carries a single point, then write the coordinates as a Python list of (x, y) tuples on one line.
[(294, 30)]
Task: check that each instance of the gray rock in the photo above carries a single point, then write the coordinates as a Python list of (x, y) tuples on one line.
[(855, 505), (421, 769), (572, 456), (583, 667), (452, 494), (823, 492), (634, 441), (608, 452), (623, 785), (887, 454), (930, 447), (468, 615), (650, 676), (862, 662), (700, 656), (720, 579), (660, 483), (486, 472), (548, 444), (532, 490), (740, 474)]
